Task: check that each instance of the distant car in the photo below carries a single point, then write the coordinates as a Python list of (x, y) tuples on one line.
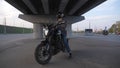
[(119, 33), (88, 32)]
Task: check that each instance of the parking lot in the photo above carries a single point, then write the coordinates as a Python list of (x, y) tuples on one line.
[(88, 52)]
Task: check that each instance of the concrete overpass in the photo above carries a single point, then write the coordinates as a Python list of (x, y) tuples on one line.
[(41, 12)]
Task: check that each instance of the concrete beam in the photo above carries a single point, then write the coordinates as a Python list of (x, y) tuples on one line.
[(16, 6), (30, 6), (91, 6), (38, 18), (46, 19), (77, 6), (63, 4), (45, 6), (74, 19)]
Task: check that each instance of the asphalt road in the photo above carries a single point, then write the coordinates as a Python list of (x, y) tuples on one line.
[(88, 52), (5, 38)]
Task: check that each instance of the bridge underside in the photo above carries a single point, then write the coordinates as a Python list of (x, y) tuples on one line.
[(41, 12), (51, 7)]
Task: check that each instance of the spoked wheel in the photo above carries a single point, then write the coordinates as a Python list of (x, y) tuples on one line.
[(42, 54)]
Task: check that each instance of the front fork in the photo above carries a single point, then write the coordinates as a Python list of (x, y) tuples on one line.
[(47, 46)]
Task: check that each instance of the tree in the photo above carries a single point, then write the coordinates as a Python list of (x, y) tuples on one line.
[(111, 30), (115, 28)]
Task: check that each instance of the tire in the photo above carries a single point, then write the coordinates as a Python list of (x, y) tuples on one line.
[(39, 52)]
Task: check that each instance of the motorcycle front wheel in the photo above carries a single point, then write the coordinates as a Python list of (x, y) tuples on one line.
[(42, 54)]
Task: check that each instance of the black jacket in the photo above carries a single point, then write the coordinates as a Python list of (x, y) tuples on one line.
[(62, 26)]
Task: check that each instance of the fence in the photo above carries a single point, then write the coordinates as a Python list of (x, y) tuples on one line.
[(14, 30)]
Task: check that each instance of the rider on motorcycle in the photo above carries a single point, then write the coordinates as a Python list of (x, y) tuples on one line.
[(54, 42), (62, 26)]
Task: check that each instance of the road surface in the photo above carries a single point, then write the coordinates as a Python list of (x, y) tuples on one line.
[(88, 52)]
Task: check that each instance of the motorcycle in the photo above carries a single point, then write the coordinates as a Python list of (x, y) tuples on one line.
[(49, 47), (105, 32)]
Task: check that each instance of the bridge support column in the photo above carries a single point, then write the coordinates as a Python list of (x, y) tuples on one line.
[(69, 30), (38, 31)]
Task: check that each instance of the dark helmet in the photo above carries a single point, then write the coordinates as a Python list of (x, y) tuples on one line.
[(60, 15)]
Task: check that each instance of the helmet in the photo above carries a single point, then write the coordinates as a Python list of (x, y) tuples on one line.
[(60, 15)]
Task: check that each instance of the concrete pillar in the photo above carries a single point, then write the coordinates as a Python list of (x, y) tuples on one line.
[(69, 30), (38, 31)]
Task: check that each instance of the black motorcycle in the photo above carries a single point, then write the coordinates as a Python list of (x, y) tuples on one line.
[(49, 47), (105, 32)]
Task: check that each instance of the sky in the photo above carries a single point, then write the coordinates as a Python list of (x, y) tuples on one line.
[(100, 17), (10, 13)]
